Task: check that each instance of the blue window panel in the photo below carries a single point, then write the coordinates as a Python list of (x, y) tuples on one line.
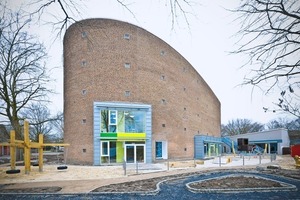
[(158, 149)]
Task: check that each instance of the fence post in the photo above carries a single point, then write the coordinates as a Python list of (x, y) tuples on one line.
[(137, 167), (271, 157), (259, 159), (220, 161), (243, 160), (124, 167), (168, 165)]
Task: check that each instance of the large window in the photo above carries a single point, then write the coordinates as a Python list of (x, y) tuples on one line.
[(108, 152), (134, 121), (212, 149), (128, 121)]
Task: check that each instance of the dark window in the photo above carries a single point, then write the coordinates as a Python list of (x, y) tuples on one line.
[(83, 34), (127, 93), (127, 36)]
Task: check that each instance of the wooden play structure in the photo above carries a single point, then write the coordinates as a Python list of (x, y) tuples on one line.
[(27, 145)]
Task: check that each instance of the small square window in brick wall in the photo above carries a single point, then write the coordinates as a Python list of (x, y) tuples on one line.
[(163, 125), (83, 121), (83, 92), (162, 77), (126, 36), (83, 34), (84, 150), (127, 65), (163, 101), (83, 63), (162, 52), (127, 93)]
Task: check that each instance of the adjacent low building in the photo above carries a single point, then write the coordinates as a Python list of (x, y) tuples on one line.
[(273, 141)]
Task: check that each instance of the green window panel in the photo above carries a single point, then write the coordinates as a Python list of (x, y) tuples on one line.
[(108, 136)]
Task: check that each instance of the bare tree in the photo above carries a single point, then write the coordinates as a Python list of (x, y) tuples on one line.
[(39, 119), (23, 77), (288, 102), (240, 126), (4, 134), (270, 36), (71, 8), (58, 126), (284, 123), (278, 123)]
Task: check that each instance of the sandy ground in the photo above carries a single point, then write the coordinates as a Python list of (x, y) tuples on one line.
[(50, 173), (75, 172)]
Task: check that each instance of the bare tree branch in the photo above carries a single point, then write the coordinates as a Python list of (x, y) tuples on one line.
[(270, 37), (23, 77), (70, 8)]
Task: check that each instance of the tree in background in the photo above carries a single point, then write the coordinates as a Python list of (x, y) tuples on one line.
[(240, 126), (41, 122), (4, 134), (284, 123), (58, 127), (23, 77), (270, 37)]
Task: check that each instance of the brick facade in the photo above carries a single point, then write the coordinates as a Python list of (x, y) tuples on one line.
[(101, 64)]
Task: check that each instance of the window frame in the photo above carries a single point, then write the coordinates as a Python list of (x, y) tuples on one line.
[(102, 152), (109, 117)]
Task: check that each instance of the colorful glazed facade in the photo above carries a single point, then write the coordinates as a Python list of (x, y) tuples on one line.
[(130, 96)]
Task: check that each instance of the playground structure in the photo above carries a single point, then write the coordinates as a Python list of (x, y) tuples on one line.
[(27, 145), (258, 150), (253, 149)]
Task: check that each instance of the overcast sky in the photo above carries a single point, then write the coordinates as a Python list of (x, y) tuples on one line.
[(206, 44)]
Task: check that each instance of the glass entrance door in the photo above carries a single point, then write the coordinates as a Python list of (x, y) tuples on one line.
[(129, 152), (134, 153), (140, 153)]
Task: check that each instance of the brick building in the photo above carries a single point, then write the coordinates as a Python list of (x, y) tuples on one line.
[(129, 95)]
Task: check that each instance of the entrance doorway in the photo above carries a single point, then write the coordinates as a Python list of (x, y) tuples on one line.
[(134, 153)]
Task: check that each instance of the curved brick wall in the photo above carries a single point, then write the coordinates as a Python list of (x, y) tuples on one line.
[(95, 69)]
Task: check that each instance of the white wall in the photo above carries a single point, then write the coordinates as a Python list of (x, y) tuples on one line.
[(276, 134)]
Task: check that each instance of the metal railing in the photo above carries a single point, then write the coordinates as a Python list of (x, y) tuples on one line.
[(218, 161)]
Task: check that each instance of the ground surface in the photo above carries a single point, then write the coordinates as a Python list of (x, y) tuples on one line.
[(235, 182), (287, 169), (228, 182)]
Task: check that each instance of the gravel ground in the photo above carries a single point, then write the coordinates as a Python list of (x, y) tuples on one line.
[(174, 186)]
